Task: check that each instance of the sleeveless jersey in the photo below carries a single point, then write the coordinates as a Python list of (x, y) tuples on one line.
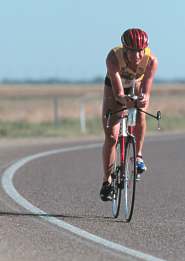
[(126, 73)]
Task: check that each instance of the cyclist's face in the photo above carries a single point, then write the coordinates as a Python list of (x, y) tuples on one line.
[(135, 56)]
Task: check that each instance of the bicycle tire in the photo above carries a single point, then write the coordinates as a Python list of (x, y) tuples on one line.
[(129, 178), (117, 182)]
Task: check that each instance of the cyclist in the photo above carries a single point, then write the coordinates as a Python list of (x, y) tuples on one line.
[(131, 61)]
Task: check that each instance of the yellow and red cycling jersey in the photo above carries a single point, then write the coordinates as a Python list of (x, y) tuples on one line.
[(127, 73)]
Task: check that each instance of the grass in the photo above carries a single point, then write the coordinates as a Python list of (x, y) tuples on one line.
[(33, 111), (168, 123), (67, 128), (71, 127)]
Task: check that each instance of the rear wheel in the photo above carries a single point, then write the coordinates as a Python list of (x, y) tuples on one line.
[(116, 182), (129, 178)]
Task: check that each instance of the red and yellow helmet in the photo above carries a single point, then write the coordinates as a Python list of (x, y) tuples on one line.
[(135, 39)]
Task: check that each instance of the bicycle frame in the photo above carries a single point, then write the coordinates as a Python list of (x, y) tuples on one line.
[(124, 132), (121, 178), (125, 174), (122, 135)]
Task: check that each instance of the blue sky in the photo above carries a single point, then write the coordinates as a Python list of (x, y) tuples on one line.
[(71, 38)]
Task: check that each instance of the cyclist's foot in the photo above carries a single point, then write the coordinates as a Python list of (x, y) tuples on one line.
[(140, 166), (105, 192)]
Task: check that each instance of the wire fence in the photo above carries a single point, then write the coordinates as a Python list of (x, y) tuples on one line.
[(53, 109), (78, 107)]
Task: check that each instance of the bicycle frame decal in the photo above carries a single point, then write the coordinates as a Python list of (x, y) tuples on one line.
[(122, 154), (131, 129), (122, 135)]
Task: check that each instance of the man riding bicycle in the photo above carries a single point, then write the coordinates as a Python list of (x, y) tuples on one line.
[(132, 61)]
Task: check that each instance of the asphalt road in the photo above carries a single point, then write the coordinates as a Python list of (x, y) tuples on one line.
[(62, 188)]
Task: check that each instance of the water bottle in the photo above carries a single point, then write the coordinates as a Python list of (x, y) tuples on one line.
[(132, 116)]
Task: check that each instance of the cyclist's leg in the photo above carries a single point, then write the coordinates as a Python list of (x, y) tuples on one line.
[(111, 133), (109, 150), (140, 132), (141, 126)]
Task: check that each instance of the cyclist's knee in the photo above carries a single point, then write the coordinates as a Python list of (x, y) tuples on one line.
[(111, 140), (141, 118)]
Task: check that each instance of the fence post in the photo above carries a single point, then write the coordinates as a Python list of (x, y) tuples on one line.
[(82, 117), (56, 110)]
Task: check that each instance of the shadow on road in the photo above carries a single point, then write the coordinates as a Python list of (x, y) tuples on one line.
[(62, 216)]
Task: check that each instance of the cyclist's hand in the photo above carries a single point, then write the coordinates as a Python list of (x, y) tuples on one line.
[(143, 101)]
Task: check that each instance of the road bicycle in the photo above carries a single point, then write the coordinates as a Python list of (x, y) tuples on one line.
[(125, 174)]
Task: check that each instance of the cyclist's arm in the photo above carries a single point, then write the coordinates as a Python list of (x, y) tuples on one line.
[(146, 85), (113, 72)]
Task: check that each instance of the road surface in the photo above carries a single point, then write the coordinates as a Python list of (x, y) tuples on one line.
[(50, 207)]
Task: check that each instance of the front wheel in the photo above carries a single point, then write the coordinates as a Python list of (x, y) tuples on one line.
[(116, 182), (129, 178)]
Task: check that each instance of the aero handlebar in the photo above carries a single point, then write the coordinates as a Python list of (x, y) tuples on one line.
[(157, 116)]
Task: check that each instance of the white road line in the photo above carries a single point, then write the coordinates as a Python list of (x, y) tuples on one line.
[(7, 184)]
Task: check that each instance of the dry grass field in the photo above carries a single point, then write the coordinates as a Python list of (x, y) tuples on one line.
[(36, 104)]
